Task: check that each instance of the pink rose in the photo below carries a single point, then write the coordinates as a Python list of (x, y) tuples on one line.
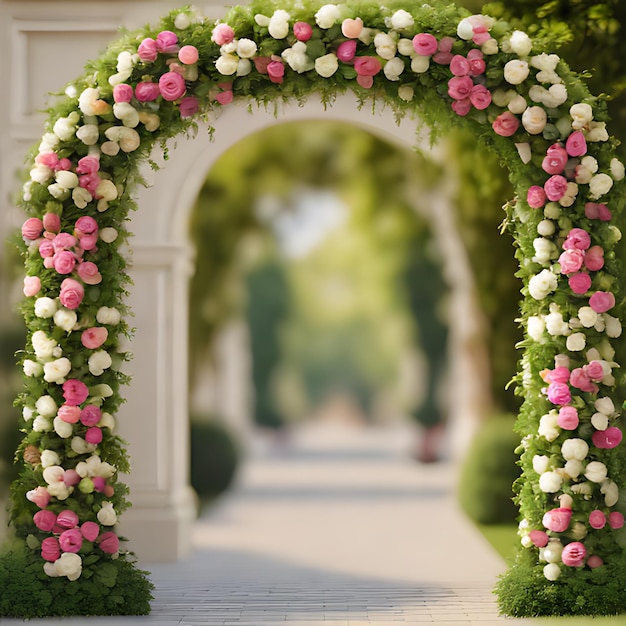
[(261, 63), (580, 380), (90, 182), (555, 187), (50, 549), (607, 439), (576, 144), (167, 42), (579, 283), (64, 262), (555, 160), (147, 50), (595, 211), (346, 51), (594, 258), (462, 107), (302, 31), (367, 66), (568, 418), (109, 542), (45, 520), (71, 540), (616, 520), (594, 561), (75, 392), (480, 97), (188, 55), (444, 54), (559, 393), (72, 293), (571, 261), (88, 242), (597, 519), (63, 241), (477, 62), (39, 496), (425, 44), (69, 413), (536, 196), (32, 228), (86, 225), (46, 249), (539, 538), (52, 222), (574, 554), (602, 301), (188, 106), (225, 97), (594, 370), (90, 530), (222, 34), (557, 520), (172, 86), (558, 375), (71, 477), (49, 159), (93, 435), (459, 65), (94, 337), (460, 87), (276, 71), (88, 165), (577, 238), (90, 415), (147, 91), (32, 286), (88, 273), (506, 125), (122, 93), (67, 519)]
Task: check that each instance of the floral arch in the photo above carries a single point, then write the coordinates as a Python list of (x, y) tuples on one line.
[(452, 68)]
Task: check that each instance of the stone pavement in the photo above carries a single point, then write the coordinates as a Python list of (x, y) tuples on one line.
[(337, 526)]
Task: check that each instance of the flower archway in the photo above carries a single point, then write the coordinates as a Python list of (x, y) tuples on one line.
[(437, 61)]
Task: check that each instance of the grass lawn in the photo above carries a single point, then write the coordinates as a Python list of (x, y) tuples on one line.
[(503, 538)]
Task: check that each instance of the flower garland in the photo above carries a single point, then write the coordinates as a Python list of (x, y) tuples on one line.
[(435, 60)]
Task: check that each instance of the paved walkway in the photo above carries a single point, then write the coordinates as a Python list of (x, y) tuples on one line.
[(338, 527)]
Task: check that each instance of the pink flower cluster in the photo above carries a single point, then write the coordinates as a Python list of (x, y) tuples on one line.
[(579, 258), (427, 45)]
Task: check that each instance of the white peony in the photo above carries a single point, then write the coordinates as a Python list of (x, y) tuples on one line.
[(534, 119), (612, 325), (610, 491), (420, 64), (405, 47), (80, 196), (597, 132), (595, 472), (552, 571), (108, 234), (605, 405), (99, 361), (41, 424), (246, 48), (45, 307), (490, 47), (278, 27), (56, 371), (573, 468), (49, 457), (80, 446), (65, 127), (32, 368), (545, 250), (406, 93), (69, 564), (126, 113), (244, 67), (540, 285), (42, 345), (65, 319), (600, 421), (575, 449), (297, 59), (556, 326), (587, 316), (516, 71), (46, 406), (541, 463), (385, 46), (548, 427), (599, 185), (327, 16), (617, 169), (581, 114), (546, 228), (550, 482)]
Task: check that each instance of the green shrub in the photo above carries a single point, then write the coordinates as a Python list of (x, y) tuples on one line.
[(488, 473), (214, 458)]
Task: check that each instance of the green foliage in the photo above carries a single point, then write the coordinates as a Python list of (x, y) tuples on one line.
[(117, 588), (488, 472), (214, 457)]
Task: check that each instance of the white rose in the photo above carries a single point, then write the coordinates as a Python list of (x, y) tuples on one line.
[(41, 424), (65, 319), (46, 406), (108, 315), (540, 463), (69, 564), (108, 235), (406, 93), (556, 326), (617, 169), (526, 542), (56, 371), (420, 64), (613, 326), (88, 134), (605, 405), (80, 446), (516, 71), (246, 48), (32, 368), (405, 47), (575, 449), (244, 67), (402, 19), (326, 65), (99, 361), (599, 421), (53, 475), (597, 132), (540, 285), (550, 482), (127, 113), (65, 127), (490, 47), (110, 148), (576, 342), (182, 21), (262, 20), (599, 185), (545, 62), (520, 43), (279, 24), (40, 174), (385, 46), (548, 426), (59, 490), (545, 250), (227, 64), (581, 114), (27, 413), (551, 571), (587, 316), (595, 471), (393, 68), (62, 428), (296, 57), (465, 29), (106, 515), (611, 492), (58, 192), (49, 143), (534, 119), (546, 228), (535, 327), (573, 468), (327, 16), (49, 457), (45, 307), (552, 552)]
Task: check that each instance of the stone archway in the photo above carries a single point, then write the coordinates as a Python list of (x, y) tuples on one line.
[(449, 67)]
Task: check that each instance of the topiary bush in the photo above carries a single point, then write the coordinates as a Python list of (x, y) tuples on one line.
[(488, 473), (214, 458)]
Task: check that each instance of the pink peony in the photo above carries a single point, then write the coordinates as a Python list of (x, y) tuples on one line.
[(557, 520), (302, 31), (94, 337), (88, 165), (167, 42), (188, 55), (578, 239), (67, 519), (64, 262), (45, 520), (555, 160), (71, 540), (602, 301), (69, 413), (460, 87), (188, 106), (480, 97), (607, 439), (568, 418), (506, 125), (597, 519), (346, 51), (93, 435), (574, 554), (539, 538), (367, 66), (109, 542), (32, 286), (559, 393), (52, 222), (147, 50), (88, 273), (557, 375), (594, 258), (576, 144), (72, 293), (172, 86), (579, 283), (276, 71), (90, 530), (90, 415), (616, 520), (50, 549), (85, 226), (555, 187), (425, 44), (32, 228), (595, 211), (147, 91), (49, 159), (571, 261), (536, 196), (75, 392), (122, 93), (39, 496), (222, 34), (459, 65)]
